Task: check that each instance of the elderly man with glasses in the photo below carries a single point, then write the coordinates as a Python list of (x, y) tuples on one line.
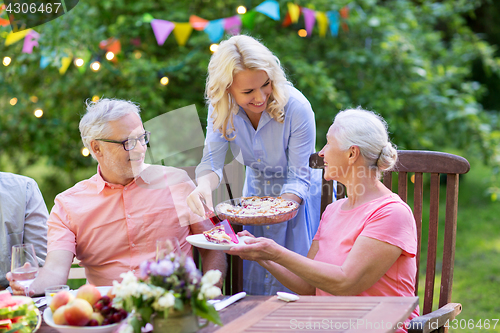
[(111, 221)]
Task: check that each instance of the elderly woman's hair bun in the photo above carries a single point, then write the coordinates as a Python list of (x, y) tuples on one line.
[(368, 131), (388, 157)]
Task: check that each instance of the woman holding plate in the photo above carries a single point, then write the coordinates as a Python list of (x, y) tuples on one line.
[(270, 127), (366, 244)]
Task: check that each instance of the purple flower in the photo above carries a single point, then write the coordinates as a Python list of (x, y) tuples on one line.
[(189, 265), (153, 268), (165, 268), (144, 267)]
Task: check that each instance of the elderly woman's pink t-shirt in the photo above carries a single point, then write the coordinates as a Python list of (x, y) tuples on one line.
[(387, 219)]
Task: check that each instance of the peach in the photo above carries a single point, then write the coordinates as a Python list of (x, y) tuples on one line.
[(60, 299), (58, 316), (90, 293), (78, 312)]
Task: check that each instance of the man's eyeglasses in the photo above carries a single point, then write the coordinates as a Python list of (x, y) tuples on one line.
[(130, 143)]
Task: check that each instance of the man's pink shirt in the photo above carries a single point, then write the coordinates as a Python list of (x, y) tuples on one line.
[(113, 228), (387, 219)]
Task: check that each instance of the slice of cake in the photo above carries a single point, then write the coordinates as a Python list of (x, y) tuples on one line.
[(217, 235)]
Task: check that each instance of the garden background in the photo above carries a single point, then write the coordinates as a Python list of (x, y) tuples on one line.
[(430, 68)]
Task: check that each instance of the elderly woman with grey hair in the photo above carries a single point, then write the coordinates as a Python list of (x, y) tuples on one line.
[(366, 244)]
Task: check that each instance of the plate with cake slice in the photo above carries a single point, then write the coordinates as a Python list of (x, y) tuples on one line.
[(215, 239)]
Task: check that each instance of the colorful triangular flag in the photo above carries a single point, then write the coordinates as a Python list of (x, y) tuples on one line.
[(270, 8), (309, 19), (248, 19), (215, 30), (233, 25), (293, 11), (65, 62), (333, 18), (162, 30), (322, 23), (197, 22), (182, 31), (30, 41), (14, 37)]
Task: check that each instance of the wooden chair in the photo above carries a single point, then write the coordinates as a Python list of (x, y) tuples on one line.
[(420, 163), (231, 187)]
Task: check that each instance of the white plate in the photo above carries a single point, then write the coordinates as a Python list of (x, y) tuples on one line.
[(47, 317), (199, 240)]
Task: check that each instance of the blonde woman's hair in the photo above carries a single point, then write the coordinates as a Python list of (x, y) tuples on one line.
[(235, 55), (368, 131)]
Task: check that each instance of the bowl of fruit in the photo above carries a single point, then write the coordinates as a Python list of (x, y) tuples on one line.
[(89, 309)]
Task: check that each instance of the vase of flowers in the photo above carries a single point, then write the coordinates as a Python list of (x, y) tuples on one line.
[(170, 292)]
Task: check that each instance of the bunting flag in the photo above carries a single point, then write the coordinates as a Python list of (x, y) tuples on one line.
[(322, 23), (309, 19), (14, 37), (344, 13), (248, 19), (44, 62), (232, 25), (65, 62), (287, 21), (182, 31), (147, 18), (162, 30), (30, 41), (86, 58), (215, 30), (197, 22), (270, 8), (293, 11), (111, 45), (333, 17)]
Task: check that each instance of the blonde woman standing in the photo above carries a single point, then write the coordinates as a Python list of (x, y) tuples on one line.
[(270, 127)]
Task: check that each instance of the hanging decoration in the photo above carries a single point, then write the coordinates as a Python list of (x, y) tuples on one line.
[(30, 41), (182, 31), (215, 30), (197, 22), (162, 29)]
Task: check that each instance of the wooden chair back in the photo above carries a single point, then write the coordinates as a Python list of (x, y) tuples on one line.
[(420, 163)]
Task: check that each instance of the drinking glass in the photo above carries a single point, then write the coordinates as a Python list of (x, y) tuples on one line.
[(166, 246), (24, 265)]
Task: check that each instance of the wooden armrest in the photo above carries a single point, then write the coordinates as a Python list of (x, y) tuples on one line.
[(436, 319)]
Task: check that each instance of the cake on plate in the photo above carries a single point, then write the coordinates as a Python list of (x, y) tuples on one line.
[(217, 235)]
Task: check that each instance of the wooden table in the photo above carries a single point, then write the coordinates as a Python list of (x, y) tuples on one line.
[(310, 313)]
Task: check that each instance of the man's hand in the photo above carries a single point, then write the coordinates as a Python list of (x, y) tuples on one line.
[(17, 288)]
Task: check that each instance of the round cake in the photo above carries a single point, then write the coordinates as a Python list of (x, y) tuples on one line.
[(257, 210)]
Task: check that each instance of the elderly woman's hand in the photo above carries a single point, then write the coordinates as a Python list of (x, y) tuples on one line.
[(256, 249)]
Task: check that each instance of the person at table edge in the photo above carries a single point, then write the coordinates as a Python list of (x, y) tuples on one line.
[(112, 220), (23, 219), (366, 244)]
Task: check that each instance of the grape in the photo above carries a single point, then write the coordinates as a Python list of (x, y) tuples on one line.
[(123, 313), (117, 317), (105, 299), (93, 322), (98, 306), (106, 310)]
